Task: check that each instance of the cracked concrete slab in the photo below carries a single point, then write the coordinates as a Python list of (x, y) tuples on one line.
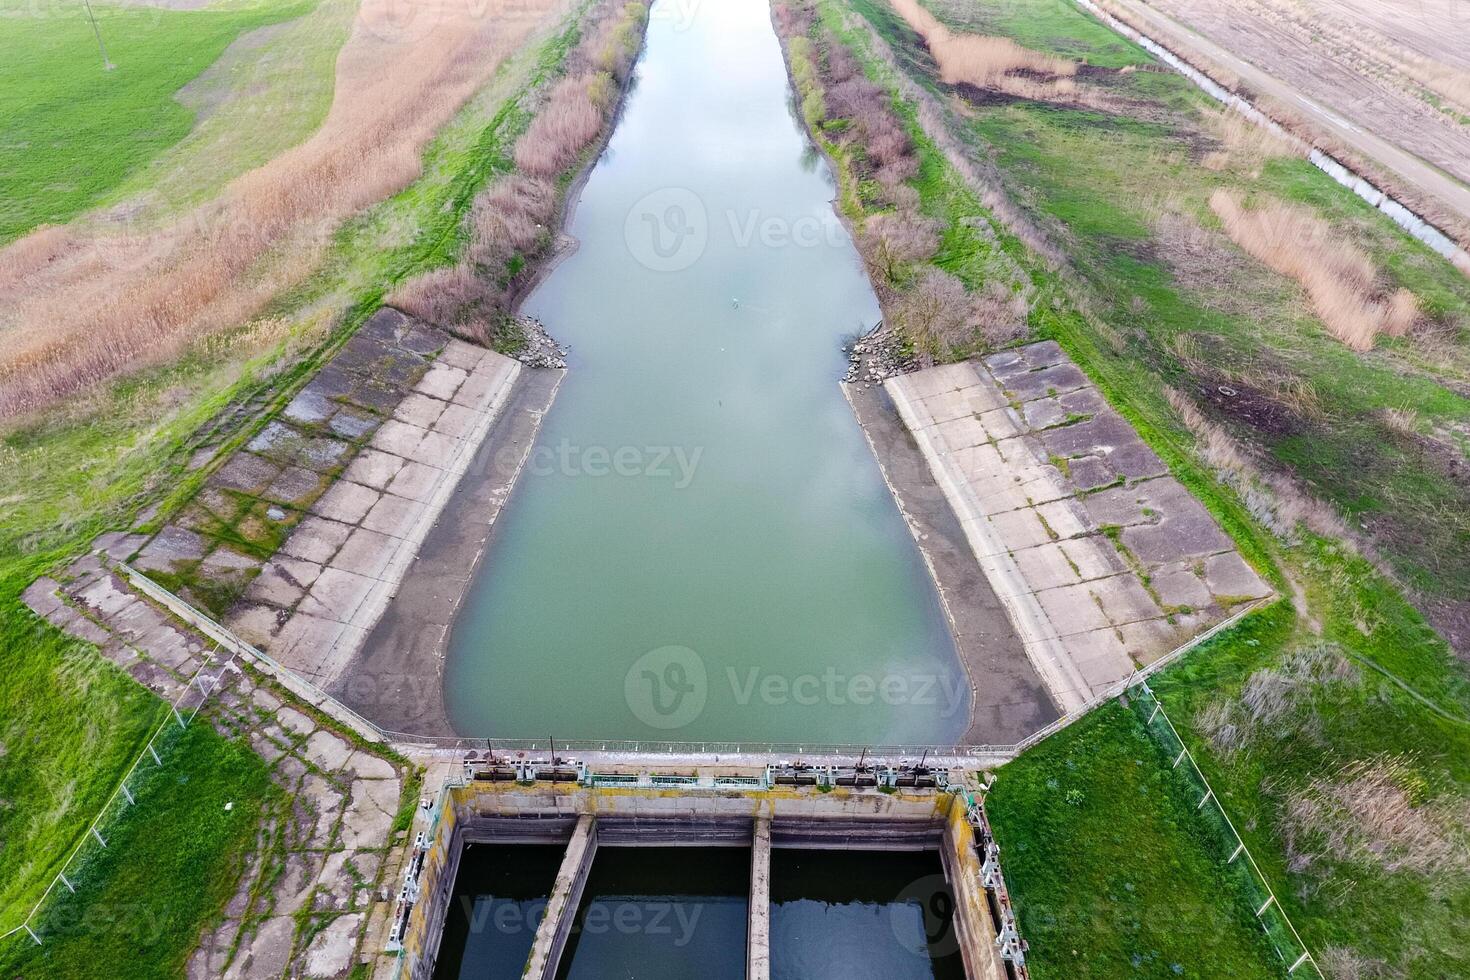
[(396, 677), (1104, 561), (365, 530), (330, 952), (316, 539)]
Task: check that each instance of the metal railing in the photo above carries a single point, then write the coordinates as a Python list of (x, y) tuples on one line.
[(973, 754), (1239, 861)]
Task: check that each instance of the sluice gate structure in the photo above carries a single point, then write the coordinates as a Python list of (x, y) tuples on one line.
[(855, 808)]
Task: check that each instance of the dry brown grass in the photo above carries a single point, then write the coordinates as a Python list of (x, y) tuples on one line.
[(1000, 313), (1217, 446), (1275, 501), (82, 307), (1341, 963), (1244, 145), (995, 63), (1403, 421), (1370, 812), (1339, 279), (1276, 702)]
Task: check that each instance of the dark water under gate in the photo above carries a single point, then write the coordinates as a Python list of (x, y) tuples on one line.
[(682, 913)]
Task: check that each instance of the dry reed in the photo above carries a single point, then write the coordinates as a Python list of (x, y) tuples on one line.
[(1244, 144), (995, 63), (1339, 279), (83, 307), (513, 216), (1370, 812)]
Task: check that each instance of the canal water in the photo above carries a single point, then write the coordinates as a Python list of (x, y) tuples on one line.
[(701, 546), (856, 915), (499, 898), (661, 913)]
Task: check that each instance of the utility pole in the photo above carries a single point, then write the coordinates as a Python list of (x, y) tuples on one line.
[(106, 62)]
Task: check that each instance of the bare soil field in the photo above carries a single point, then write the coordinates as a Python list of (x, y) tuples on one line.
[(1401, 70)]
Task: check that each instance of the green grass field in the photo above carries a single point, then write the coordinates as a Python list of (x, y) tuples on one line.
[(1140, 321), (72, 132), (1113, 875), (137, 917), (266, 93)]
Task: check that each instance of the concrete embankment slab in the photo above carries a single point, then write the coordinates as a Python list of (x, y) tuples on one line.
[(397, 677), (315, 601), (1008, 699), (315, 520), (1103, 561)]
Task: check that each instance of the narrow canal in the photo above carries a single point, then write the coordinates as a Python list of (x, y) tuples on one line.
[(701, 546)]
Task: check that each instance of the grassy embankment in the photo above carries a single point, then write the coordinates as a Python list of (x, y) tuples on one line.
[(1285, 743), (167, 869), (65, 482), (130, 445), (74, 132)]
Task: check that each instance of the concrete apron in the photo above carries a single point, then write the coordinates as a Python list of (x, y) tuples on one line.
[(396, 677), (586, 818), (1105, 564)]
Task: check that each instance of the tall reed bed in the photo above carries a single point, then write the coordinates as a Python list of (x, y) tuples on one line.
[(1338, 277), (928, 307)]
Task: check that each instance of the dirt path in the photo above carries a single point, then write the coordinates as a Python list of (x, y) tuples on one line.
[(1445, 189)]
